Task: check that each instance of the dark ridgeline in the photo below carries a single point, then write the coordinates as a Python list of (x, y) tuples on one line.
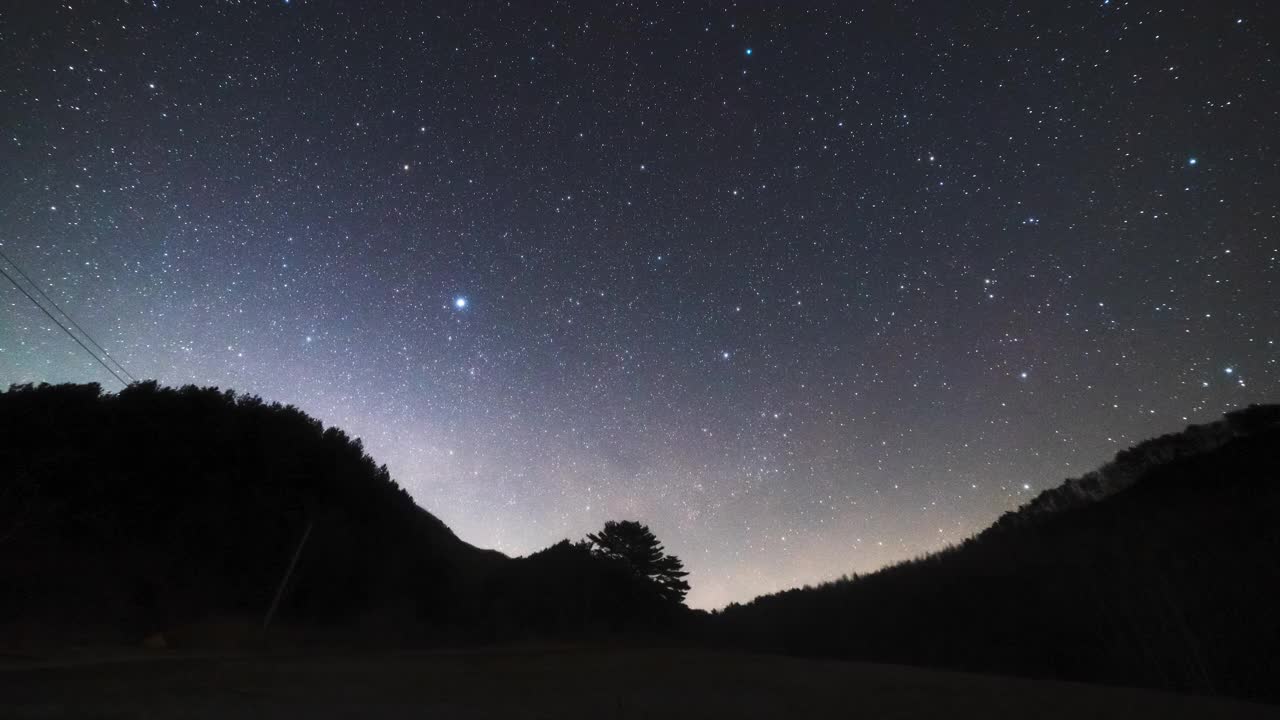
[(1162, 569), (157, 510), (167, 510)]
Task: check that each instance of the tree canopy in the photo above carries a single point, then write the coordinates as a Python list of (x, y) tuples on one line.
[(635, 545)]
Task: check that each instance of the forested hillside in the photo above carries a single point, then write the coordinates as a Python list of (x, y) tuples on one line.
[(154, 510), (1159, 570)]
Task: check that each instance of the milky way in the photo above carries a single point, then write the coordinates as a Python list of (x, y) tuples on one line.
[(809, 290)]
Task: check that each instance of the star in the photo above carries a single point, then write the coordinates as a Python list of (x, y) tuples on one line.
[(460, 302)]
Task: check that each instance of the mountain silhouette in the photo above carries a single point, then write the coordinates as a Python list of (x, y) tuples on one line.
[(177, 513), (198, 517), (1160, 569)]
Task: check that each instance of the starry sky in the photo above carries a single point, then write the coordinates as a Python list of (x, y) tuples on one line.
[(809, 288)]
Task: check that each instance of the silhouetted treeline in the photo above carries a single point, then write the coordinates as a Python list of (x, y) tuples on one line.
[(570, 590), (1168, 576), (154, 509)]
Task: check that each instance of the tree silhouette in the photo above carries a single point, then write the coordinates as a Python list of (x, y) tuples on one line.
[(157, 509), (154, 508), (1159, 569), (634, 544)]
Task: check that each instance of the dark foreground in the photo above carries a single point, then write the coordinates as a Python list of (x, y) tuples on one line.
[(570, 683)]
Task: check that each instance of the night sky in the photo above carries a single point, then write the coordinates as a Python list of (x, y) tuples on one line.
[(808, 289)]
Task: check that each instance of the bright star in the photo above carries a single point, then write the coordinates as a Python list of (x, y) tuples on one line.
[(1192, 161), (748, 51), (1231, 371), (460, 303)]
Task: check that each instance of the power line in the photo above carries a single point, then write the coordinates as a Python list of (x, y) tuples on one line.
[(67, 315), (64, 327)]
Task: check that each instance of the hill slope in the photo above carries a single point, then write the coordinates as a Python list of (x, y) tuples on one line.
[(153, 508), (177, 511), (1159, 570)]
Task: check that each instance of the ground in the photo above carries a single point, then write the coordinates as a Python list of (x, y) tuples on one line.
[(561, 683)]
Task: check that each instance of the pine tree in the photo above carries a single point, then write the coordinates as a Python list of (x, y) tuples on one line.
[(635, 545)]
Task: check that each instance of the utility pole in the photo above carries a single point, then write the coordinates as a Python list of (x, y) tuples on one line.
[(284, 581)]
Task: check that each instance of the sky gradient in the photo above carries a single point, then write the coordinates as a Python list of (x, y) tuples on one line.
[(808, 288)]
